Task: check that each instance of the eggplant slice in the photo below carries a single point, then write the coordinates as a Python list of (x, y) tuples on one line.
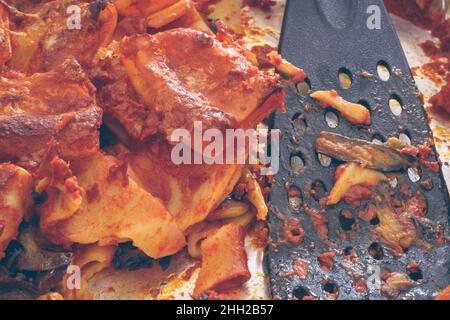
[(15, 288), (32, 257), (374, 156)]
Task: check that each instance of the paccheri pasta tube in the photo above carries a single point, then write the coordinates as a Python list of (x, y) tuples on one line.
[(224, 260)]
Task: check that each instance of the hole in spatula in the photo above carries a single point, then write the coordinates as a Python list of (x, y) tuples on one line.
[(393, 183), (325, 161), (301, 292), (330, 289), (378, 138), (331, 118), (297, 163), (414, 174), (383, 70), (396, 105), (348, 251), (415, 273), (376, 251), (405, 138), (345, 78), (346, 220), (303, 88)]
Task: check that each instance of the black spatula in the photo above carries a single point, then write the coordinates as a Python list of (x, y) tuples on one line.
[(352, 37)]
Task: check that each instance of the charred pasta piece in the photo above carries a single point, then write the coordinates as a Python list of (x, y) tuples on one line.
[(138, 23), (224, 261), (181, 76), (229, 212), (58, 105), (113, 209), (370, 155), (393, 283), (16, 186), (355, 113), (354, 181), (286, 68), (162, 13), (47, 35), (197, 234), (397, 230), (168, 14), (254, 194), (190, 192)]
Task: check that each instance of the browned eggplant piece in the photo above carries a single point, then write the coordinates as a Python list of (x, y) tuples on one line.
[(371, 155), (131, 258), (16, 288), (34, 258), (49, 280)]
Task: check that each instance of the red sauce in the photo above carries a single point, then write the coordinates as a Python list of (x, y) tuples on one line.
[(119, 171), (294, 232), (441, 101), (413, 267), (319, 221), (92, 193), (262, 4), (2, 226), (358, 193), (326, 261), (360, 285), (434, 166), (301, 268), (352, 256), (427, 184), (72, 185), (213, 295), (190, 271), (261, 236), (405, 191), (366, 75), (369, 214), (416, 205), (440, 28), (423, 152), (410, 11), (261, 53), (441, 239)]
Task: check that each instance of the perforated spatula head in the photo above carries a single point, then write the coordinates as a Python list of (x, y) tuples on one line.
[(354, 38)]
